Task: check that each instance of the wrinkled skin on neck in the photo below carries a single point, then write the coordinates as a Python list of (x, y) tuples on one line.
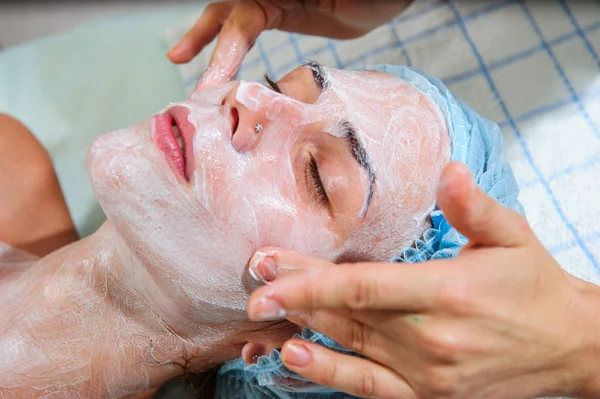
[(76, 323), (246, 187)]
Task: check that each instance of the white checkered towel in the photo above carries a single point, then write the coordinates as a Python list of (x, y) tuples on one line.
[(533, 67)]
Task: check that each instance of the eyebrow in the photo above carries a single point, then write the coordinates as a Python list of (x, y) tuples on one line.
[(359, 153), (319, 74)]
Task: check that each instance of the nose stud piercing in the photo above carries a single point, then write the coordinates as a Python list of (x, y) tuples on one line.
[(258, 127)]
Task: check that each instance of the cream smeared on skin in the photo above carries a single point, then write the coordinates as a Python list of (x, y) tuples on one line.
[(196, 240), (225, 62), (77, 324), (166, 272), (404, 133)]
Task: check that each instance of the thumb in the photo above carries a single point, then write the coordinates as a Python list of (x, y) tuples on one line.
[(480, 218)]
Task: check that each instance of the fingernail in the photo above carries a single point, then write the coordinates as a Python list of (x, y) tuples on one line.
[(174, 50), (179, 48), (262, 267), (268, 309), (472, 184), (296, 355), (448, 183), (444, 183)]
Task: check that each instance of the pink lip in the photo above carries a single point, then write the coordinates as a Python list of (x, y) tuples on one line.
[(181, 162), (166, 142)]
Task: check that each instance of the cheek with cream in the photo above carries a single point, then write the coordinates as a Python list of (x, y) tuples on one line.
[(253, 191)]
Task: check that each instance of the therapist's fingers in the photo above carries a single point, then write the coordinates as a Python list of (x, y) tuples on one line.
[(237, 36), (480, 218), (344, 328), (202, 33), (270, 263), (407, 287), (353, 375)]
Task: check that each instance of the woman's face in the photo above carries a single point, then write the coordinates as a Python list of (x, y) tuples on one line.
[(337, 164)]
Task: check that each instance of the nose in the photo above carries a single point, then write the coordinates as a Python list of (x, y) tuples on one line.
[(247, 104)]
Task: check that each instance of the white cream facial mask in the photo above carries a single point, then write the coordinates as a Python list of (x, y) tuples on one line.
[(194, 220), (159, 286)]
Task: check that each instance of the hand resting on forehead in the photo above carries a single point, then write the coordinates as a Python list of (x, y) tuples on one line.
[(341, 165)]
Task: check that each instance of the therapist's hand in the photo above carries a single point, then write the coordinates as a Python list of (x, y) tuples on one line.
[(502, 320), (239, 23)]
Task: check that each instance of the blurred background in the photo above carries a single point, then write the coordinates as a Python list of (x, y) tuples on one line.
[(26, 20)]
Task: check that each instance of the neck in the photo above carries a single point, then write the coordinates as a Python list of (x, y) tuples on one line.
[(89, 319)]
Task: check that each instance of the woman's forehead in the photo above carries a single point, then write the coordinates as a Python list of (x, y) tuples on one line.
[(380, 104), (388, 113), (400, 126)]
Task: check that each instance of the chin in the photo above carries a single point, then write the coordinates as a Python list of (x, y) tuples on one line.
[(124, 167)]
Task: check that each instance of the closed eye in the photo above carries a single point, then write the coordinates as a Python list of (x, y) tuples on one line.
[(314, 184), (272, 83), (320, 75)]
